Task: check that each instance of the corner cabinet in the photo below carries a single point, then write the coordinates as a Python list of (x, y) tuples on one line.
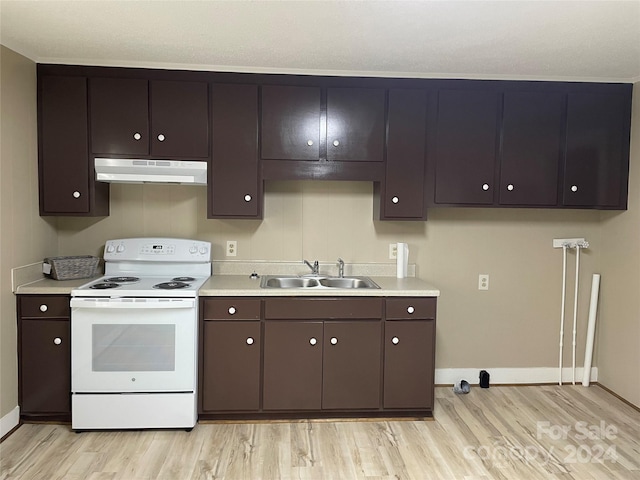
[(66, 177), (44, 356), (302, 357)]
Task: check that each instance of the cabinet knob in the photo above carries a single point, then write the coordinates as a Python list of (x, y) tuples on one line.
[(395, 200), (485, 186), (574, 188), (43, 308), (313, 341), (247, 198), (232, 310), (310, 143), (249, 341), (76, 194), (137, 136), (334, 341), (510, 187), (410, 309), (161, 137), (395, 340), (336, 143), (57, 341)]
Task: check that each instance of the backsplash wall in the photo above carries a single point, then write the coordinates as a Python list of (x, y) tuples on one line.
[(514, 324)]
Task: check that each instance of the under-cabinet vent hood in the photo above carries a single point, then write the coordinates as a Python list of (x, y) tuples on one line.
[(127, 170)]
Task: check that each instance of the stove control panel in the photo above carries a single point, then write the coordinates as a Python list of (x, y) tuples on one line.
[(157, 250)]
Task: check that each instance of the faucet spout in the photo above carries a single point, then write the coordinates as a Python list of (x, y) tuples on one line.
[(315, 268), (340, 268)]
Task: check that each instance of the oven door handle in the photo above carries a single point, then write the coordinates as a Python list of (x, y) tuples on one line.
[(146, 303)]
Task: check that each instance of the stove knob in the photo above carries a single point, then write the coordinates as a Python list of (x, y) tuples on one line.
[(120, 248), (203, 250), (193, 249), (110, 248)]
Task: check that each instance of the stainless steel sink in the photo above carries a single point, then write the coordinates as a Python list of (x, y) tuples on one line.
[(289, 281)]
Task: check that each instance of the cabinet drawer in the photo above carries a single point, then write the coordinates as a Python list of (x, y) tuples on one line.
[(322, 308), (410, 308), (232, 309), (45, 306)]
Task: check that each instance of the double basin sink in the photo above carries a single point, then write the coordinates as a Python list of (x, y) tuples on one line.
[(290, 281)]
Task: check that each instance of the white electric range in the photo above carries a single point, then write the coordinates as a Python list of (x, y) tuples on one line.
[(134, 336)]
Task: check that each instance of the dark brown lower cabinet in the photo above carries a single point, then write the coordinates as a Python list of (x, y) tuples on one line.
[(44, 356), (293, 365), (409, 364), (231, 360)]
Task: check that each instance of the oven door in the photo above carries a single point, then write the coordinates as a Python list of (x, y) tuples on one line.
[(133, 345)]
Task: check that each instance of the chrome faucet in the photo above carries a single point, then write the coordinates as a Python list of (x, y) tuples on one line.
[(340, 267), (315, 268)]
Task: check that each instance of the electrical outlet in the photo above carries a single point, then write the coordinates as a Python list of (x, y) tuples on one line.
[(232, 248), (483, 281), (393, 251)]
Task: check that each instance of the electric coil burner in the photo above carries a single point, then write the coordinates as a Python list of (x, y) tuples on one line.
[(134, 336)]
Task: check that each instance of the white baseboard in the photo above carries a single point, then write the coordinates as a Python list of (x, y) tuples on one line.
[(9, 421), (446, 376)]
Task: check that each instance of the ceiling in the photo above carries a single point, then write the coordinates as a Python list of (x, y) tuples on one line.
[(552, 40)]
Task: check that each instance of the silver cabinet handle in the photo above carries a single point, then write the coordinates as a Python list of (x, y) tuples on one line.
[(43, 308), (395, 200), (137, 136), (161, 137), (249, 341), (485, 186), (76, 194), (313, 341), (232, 310), (574, 188), (310, 143), (247, 198), (334, 341), (410, 309), (57, 341), (395, 340), (336, 143), (510, 187)]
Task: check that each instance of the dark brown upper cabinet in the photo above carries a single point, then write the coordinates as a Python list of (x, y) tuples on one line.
[(132, 116), (401, 195), (465, 146), (235, 186), (290, 122), (532, 143), (355, 124), (66, 179), (597, 156)]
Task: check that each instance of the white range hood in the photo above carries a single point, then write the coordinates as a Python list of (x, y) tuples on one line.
[(131, 170)]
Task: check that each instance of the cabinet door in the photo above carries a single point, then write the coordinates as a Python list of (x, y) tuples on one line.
[(409, 364), (292, 365), (466, 135), (45, 366), (531, 148), (355, 124), (231, 366), (596, 165), (179, 119), (64, 153), (234, 185), (119, 116), (403, 189), (352, 357), (290, 122)]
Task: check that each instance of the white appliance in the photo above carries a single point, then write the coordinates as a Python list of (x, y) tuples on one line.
[(134, 170), (134, 336)]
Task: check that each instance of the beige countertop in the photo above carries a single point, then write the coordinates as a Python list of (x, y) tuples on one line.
[(243, 285)]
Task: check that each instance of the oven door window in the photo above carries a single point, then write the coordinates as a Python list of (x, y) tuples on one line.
[(133, 348)]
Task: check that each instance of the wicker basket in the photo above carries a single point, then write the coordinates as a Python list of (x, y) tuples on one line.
[(69, 268)]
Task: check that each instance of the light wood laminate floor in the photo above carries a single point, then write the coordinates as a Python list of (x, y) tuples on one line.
[(526, 432)]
